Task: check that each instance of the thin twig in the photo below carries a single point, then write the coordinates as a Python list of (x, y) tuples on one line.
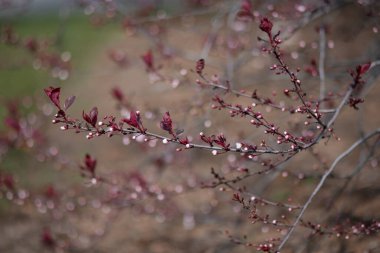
[(135, 132)]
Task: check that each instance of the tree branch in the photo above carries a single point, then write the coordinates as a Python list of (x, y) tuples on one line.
[(322, 181)]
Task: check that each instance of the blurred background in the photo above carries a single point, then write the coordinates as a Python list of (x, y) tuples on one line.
[(156, 201)]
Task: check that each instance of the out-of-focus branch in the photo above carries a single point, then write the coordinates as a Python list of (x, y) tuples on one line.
[(321, 67), (216, 25), (322, 181)]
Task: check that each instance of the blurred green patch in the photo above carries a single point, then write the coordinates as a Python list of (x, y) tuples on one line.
[(74, 34)]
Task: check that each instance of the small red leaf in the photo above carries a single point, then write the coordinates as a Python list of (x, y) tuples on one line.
[(148, 60), (32, 45), (68, 102), (166, 123), (47, 238), (117, 94), (86, 117), (53, 94), (362, 69), (133, 121), (8, 181), (266, 25), (12, 123), (200, 66), (90, 163), (92, 117), (50, 192), (245, 9), (184, 141)]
